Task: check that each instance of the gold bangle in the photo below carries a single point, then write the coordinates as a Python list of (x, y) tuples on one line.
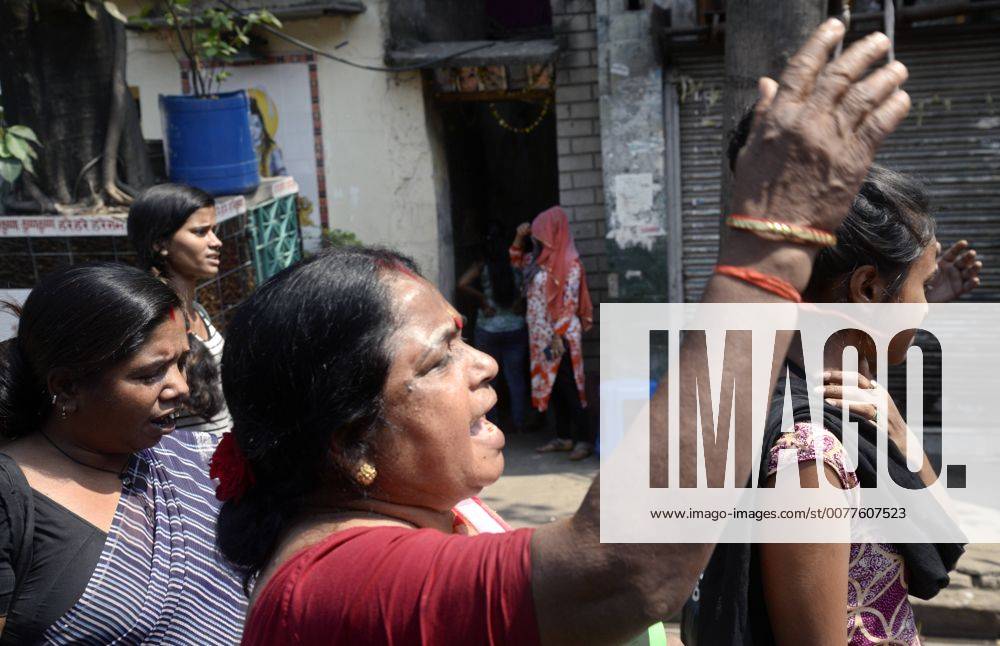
[(783, 231)]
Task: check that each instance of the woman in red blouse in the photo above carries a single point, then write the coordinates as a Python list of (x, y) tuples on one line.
[(359, 418)]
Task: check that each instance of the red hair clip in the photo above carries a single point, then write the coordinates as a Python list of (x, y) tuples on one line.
[(232, 469)]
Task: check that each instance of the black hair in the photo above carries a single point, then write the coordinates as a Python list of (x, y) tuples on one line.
[(84, 318), (497, 258), (204, 380), (888, 227), (305, 363), (156, 214)]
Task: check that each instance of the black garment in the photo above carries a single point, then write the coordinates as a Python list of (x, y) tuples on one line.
[(732, 609), (64, 550), (571, 418)]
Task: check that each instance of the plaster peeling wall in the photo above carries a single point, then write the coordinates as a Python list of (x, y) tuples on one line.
[(632, 143), (379, 164)]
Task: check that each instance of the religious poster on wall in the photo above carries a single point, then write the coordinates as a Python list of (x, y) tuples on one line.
[(282, 125)]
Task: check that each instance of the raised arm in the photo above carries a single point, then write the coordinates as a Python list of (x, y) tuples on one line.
[(517, 257), (813, 139)]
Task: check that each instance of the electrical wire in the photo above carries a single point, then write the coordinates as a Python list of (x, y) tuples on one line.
[(372, 68)]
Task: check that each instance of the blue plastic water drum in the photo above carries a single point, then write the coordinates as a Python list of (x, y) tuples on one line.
[(208, 144)]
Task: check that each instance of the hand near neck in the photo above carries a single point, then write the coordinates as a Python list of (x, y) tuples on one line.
[(833, 356)]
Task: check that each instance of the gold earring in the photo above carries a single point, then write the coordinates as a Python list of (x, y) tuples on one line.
[(366, 474)]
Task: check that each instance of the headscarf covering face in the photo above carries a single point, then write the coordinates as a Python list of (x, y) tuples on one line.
[(558, 253)]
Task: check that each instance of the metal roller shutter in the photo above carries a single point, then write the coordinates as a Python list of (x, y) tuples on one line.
[(951, 140), (699, 90)]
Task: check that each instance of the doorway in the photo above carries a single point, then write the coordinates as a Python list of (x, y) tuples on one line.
[(503, 170)]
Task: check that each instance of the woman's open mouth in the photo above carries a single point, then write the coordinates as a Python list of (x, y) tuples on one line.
[(487, 433), (166, 423)]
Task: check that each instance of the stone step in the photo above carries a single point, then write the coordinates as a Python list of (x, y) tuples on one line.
[(965, 613)]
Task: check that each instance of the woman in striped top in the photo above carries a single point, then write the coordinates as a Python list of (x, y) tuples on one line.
[(107, 522), (171, 227)]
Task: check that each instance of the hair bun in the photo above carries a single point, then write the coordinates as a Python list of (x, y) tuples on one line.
[(23, 402)]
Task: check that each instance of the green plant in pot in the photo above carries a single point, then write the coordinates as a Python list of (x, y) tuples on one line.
[(207, 137)]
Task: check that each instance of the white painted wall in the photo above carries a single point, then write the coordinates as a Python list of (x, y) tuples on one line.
[(152, 67), (379, 165)]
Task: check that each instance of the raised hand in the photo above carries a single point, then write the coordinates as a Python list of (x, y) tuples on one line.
[(958, 273), (816, 132)]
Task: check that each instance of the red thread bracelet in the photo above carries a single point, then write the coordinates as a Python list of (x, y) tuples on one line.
[(767, 282)]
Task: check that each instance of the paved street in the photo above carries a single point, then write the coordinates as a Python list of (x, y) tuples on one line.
[(539, 488)]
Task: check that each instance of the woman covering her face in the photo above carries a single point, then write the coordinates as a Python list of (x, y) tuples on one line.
[(359, 420), (106, 522), (172, 228), (559, 312)]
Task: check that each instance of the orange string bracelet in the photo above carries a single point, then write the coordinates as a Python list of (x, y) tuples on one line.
[(767, 282), (775, 230)]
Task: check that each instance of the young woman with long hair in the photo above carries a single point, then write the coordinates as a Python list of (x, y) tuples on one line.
[(172, 229)]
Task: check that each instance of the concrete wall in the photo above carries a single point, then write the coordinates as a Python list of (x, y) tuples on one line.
[(379, 161), (632, 118), (578, 130), (424, 21), (152, 67)]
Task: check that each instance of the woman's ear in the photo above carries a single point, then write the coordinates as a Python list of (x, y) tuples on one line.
[(160, 247), (866, 286), (64, 389)]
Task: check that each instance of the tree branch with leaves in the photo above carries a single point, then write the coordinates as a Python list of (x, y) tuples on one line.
[(209, 36), (55, 55)]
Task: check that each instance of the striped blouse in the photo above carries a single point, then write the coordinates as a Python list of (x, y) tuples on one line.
[(208, 432), (160, 578)]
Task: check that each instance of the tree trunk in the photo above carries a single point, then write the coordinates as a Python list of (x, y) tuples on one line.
[(63, 75), (760, 37)]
